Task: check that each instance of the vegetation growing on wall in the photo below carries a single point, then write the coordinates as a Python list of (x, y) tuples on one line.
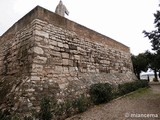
[(99, 93)]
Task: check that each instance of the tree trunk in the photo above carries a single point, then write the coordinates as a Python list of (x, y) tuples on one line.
[(155, 75), (148, 78), (138, 76)]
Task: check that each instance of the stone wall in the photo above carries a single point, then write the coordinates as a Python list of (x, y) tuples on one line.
[(15, 64), (51, 56)]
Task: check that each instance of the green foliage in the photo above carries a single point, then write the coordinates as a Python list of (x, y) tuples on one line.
[(101, 93), (154, 35), (45, 111), (58, 111), (28, 118), (115, 92), (5, 115), (144, 61), (131, 86), (15, 117), (81, 103), (153, 60), (140, 92), (68, 106), (140, 63)]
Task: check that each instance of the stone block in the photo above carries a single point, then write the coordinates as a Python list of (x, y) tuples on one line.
[(37, 68), (65, 69), (70, 62), (35, 78), (77, 57), (41, 33), (52, 37), (63, 86), (65, 55), (1, 62), (60, 44), (72, 47), (117, 64), (40, 60), (83, 65), (30, 90), (57, 61), (58, 69), (51, 47), (54, 43), (65, 62), (72, 69), (66, 46), (55, 53), (38, 50)]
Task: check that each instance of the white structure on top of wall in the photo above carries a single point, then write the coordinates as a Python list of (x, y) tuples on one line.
[(61, 9)]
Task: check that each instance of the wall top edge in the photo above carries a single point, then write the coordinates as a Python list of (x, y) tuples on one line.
[(43, 14)]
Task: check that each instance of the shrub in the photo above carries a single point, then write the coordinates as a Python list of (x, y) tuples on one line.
[(115, 92), (5, 115), (125, 88), (59, 110), (16, 117), (81, 103), (45, 111), (143, 83), (100, 93), (28, 118), (131, 86), (68, 106)]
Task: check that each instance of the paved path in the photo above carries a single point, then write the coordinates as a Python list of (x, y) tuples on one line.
[(140, 105)]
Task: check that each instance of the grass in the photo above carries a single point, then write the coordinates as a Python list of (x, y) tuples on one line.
[(142, 93), (139, 93)]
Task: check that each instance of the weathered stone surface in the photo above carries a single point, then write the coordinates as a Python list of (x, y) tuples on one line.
[(77, 57), (41, 33), (44, 55), (65, 55), (65, 46), (41, 60), (60, 44), (35, 78), (38, 50), (65, 62), (58, 68), (53, 42)]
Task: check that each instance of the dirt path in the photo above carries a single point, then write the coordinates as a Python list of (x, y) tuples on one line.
[(143, 104)]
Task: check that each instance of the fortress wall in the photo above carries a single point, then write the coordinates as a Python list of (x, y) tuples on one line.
[(72, 62), (15, 62), (51, 56), (80, 30), (71, 57), (15, 51)]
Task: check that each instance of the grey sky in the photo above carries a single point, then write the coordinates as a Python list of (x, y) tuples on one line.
[(122, 20)]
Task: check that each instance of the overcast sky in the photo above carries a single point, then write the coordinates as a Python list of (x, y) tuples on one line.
[(122, 20)]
